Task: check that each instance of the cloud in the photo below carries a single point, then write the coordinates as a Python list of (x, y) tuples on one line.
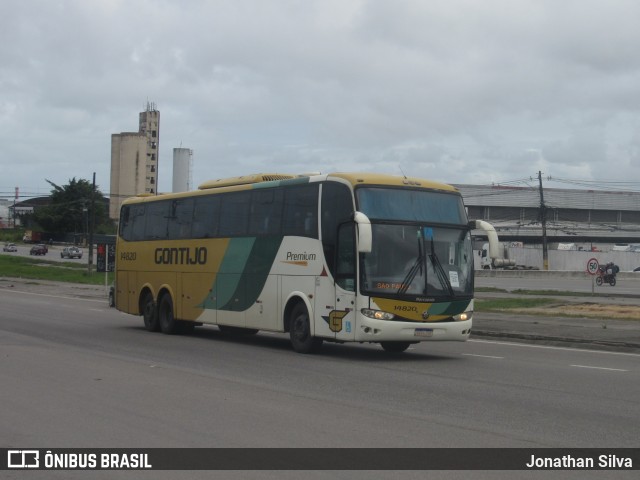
[(455, 90)]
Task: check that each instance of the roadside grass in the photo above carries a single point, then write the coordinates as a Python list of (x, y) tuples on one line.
[(41, 269), (499, 304), (546, 293), (521, 291)]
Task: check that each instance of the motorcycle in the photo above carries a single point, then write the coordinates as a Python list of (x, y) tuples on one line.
[(607, 274)]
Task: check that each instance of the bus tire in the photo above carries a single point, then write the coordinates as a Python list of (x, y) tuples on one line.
[(150, 313), (300, 331), (168, 323), (395, 347)]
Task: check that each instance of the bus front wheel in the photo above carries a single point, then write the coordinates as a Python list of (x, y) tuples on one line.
[(300, 331), (395, 347), (168, 323), (150, 313)]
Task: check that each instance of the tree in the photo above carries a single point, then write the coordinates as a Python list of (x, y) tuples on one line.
[(70, 209)]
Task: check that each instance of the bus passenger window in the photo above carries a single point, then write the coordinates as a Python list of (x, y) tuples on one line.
[(265, 217), (181, 218), (157, 221), (301, 211), (205, 217), (234, 218)]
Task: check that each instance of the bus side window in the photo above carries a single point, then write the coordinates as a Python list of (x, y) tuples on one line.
[(137, 222), (156, 225), (233, 218), (206, 213), (125, 229), (265, 217), (301, 211), (181, 218)]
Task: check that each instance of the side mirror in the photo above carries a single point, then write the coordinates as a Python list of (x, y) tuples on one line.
[(365, 236)]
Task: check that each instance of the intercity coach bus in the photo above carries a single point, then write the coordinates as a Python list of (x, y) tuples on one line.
[(342, 257)]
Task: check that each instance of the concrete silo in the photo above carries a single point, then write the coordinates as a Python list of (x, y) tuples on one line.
[(182, 167)]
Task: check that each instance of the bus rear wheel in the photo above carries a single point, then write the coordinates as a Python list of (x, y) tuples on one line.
[(395, 347), (300, 331), (150, 313), (168, 323)]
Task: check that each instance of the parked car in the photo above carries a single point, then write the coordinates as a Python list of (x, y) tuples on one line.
[(10, 247), (71, 252), (38, 250)]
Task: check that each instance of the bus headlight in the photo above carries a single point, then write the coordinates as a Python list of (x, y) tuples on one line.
[(461, 317), (377, 314)]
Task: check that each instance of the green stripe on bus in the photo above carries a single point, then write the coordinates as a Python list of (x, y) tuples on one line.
[(449, 308), (243, 272)]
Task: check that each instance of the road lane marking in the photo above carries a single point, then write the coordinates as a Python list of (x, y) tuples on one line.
[(600, 368), (48, 295), (483, 356), (550, 347)]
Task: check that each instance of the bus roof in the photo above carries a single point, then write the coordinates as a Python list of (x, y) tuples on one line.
[(245, 179), (361, 178), (355, 179)]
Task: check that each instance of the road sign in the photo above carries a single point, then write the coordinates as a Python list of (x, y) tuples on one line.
[(593, 266), (105, 258)]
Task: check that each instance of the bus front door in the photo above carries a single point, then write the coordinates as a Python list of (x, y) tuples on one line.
[(343, 321)]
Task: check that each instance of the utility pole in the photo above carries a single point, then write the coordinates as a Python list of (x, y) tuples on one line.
[(92, 222), (543, 220)]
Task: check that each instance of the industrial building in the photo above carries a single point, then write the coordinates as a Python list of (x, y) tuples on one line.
[(182, 168), (572, 215), (134, 160)]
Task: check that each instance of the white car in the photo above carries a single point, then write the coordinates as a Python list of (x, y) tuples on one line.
[(71, 252), (10, 247)]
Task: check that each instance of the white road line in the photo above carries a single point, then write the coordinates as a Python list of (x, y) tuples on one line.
[(601, 368), (55, 296), (550, 347), (483, 356)]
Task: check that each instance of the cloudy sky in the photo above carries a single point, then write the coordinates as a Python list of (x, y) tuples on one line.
[(454, 90)]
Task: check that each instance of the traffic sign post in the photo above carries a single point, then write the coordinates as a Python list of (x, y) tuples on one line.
[(593, 266), (592, 269), (105, 260)]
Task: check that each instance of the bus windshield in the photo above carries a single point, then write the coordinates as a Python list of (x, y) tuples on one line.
[(421, 244), (418, 261), (411, 205)]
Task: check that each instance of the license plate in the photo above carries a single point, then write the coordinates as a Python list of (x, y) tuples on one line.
[(423, 332)]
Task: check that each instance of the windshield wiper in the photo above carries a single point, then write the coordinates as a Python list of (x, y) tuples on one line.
[(411, 274), (442, 276)]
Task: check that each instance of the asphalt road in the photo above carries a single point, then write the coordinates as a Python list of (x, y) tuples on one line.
[(53, 254), (75, 373)]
